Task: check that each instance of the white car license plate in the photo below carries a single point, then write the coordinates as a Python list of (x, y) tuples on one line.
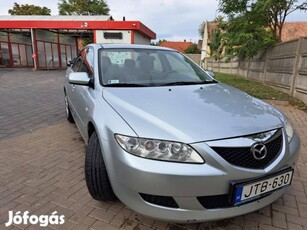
[(253, 190)]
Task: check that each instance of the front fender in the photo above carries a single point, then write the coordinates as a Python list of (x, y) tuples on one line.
[(107, 122)]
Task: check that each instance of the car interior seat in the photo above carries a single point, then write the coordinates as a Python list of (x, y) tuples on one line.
[(146, 65), (131, 73), (105, 63)]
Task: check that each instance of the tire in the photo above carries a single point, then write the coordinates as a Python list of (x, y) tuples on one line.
[(69, 116), (96, 175)]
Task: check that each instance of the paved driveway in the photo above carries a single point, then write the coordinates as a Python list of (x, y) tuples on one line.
[(41, 166)]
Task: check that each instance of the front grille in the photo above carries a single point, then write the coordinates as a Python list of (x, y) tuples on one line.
[(243, 157), (166, 201)]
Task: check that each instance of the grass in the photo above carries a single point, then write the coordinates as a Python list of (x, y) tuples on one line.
[(259, 90)]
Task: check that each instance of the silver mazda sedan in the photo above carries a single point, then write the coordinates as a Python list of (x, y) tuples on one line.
[(170, 141)]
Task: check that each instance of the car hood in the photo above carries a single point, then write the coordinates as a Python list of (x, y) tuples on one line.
[(192, 113)]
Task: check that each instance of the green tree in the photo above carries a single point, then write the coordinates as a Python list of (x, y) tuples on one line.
[(216, 45), (192, 49), (201, 29), (28, 10), (273, 12), (83, 7), (245, 37), (254, 25)]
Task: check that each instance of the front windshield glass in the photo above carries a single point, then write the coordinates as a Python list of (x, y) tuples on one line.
[(148, 67)]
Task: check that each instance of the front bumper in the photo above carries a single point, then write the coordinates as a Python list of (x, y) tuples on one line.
[(131, 176)]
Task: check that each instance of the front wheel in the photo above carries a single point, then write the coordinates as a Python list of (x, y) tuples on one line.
[(96, 175)]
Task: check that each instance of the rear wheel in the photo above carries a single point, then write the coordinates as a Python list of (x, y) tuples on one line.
[(96, 175), (67, 110)]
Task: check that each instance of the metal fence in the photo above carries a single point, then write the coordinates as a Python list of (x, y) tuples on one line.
[(284, 66)]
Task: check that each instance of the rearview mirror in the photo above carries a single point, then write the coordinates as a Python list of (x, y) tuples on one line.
[(79, 78)]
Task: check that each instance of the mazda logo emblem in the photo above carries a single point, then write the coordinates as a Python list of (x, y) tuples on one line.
[(259, 150)]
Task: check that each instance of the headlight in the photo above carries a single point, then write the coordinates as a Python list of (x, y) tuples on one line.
[(289, 130), (158, 149)]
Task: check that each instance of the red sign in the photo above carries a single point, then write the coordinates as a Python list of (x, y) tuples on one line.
[(33, 55)]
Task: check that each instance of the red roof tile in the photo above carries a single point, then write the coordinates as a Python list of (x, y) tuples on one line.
[(293, 30), (180, 46)]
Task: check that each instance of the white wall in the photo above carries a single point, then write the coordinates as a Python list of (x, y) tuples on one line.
[(138, 37), (141, 39)]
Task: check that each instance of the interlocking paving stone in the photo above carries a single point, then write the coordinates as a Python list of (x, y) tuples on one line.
[(42, 157)]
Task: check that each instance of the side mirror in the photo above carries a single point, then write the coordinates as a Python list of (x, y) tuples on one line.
[(69, 64), (79, 78), (210, 73)]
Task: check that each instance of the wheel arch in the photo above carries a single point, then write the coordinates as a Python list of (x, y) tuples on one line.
[(90, 130)]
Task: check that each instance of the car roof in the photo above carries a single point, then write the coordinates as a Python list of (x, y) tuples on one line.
[(127, 46)]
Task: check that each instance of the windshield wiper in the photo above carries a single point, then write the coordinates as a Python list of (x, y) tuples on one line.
[(188, 83), (125, 85)]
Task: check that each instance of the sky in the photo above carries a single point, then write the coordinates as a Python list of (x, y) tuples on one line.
[(173, 20)]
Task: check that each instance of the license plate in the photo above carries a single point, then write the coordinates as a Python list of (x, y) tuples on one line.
[(252, 190)]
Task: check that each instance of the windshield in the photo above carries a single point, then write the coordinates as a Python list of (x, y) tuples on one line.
[(148, 67)]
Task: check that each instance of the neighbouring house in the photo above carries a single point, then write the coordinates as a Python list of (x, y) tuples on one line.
[(180, 46), (293, 30), (209, 28)]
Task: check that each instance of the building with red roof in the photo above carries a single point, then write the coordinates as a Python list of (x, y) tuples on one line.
[(180, 46), (50, 42), (293, 30)]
